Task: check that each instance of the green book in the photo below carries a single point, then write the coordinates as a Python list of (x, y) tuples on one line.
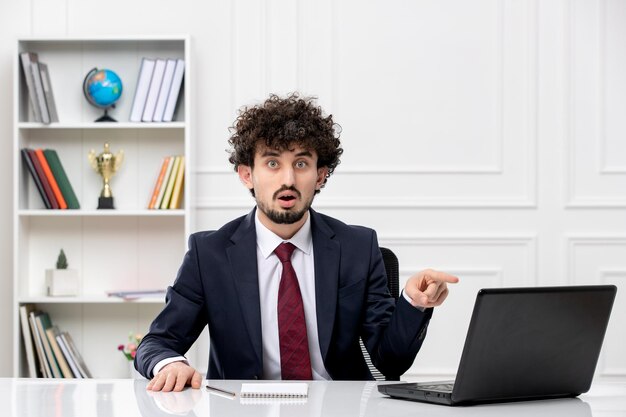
[(61, 177), (43, 323)]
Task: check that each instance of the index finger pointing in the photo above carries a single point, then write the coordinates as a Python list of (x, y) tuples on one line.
[(441, 276)]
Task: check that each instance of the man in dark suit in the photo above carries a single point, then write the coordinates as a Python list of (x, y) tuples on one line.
[(285, 291)]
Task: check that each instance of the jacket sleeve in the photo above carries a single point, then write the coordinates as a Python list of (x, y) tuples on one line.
[(182, 319), (392, 335)]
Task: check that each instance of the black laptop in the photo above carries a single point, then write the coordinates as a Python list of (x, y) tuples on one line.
[(524, 344)]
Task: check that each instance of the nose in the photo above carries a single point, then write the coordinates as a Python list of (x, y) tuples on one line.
[(289, 177)]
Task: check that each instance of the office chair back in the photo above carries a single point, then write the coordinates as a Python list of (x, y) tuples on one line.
[(393, 271), (393, 284)]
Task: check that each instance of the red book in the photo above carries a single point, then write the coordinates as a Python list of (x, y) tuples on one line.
[(159, 182), (53, 182), (44, 180)]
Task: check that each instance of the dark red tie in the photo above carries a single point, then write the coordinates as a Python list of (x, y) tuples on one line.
[(295, 362)]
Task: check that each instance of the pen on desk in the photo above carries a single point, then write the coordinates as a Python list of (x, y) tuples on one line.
[(219, 391)]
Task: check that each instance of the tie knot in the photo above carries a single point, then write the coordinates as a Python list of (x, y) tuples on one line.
[(284, 251)]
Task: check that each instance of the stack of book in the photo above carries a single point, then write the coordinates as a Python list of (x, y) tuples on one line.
[(168, 188), (50, 353), (50, 179), (39, 88), (158, 88)]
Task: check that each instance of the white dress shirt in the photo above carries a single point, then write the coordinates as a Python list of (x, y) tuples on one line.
[(270, 269)]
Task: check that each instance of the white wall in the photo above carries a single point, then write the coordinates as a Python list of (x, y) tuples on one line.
[(484, 138)]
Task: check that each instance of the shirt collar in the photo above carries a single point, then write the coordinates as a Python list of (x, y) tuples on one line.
[(267, 240)]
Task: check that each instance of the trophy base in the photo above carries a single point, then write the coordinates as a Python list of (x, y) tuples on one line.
[(105, 203)]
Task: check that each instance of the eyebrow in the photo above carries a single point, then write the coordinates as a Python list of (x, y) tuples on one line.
[(269, 152), (304, 153), (272, 152)]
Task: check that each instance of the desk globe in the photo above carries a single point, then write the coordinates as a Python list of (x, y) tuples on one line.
[(102, 88)]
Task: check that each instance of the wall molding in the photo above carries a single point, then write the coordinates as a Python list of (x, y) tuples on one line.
[(602, 276), (607, 273), (388, 169), (448, 240), (494, 272), (604, 169), (498, 128), (366, 203), (526, 198), (572, 198), (592, 202), (573, 241), (526, 241), (606, 276), (612, 169)]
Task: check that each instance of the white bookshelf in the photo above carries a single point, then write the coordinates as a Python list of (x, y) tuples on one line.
[(127, 248)]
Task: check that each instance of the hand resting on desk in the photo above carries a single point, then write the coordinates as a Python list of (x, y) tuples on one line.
[(174, 377), (177, 403)]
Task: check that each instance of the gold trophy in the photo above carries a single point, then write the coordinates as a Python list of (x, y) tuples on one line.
[(106, 164)]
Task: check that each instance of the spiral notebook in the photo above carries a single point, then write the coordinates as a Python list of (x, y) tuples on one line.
[(275, 390)]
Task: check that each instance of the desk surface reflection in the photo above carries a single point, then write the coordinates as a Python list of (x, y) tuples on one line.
[(129, 398)]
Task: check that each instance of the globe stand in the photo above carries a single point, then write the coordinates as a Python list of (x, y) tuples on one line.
[(106, 117)]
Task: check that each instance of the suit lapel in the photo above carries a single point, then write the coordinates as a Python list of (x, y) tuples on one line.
[(243, 262), (327, 252)]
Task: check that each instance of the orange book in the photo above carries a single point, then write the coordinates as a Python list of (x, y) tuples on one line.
[(53, 182), (159, 182)]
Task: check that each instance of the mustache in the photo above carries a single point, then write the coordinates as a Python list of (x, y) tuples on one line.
[(285, 188)]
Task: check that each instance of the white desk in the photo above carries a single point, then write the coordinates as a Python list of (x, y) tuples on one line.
[(128, 398)]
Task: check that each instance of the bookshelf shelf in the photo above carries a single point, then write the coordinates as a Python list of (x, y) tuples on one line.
[(101, 213), (101, 126), (95, 299), (129, 247)]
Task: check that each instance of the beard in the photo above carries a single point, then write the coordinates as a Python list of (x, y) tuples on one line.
[(285, 216)]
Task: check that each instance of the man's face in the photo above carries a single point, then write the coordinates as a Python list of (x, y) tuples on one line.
[(284, 182)]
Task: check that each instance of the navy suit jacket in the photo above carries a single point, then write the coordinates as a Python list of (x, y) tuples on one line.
[(217, 285)]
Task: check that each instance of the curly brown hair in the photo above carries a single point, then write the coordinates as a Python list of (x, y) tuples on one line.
[(279, 123)]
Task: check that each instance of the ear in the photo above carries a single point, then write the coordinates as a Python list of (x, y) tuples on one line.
[(321, 176), (245, 176)]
